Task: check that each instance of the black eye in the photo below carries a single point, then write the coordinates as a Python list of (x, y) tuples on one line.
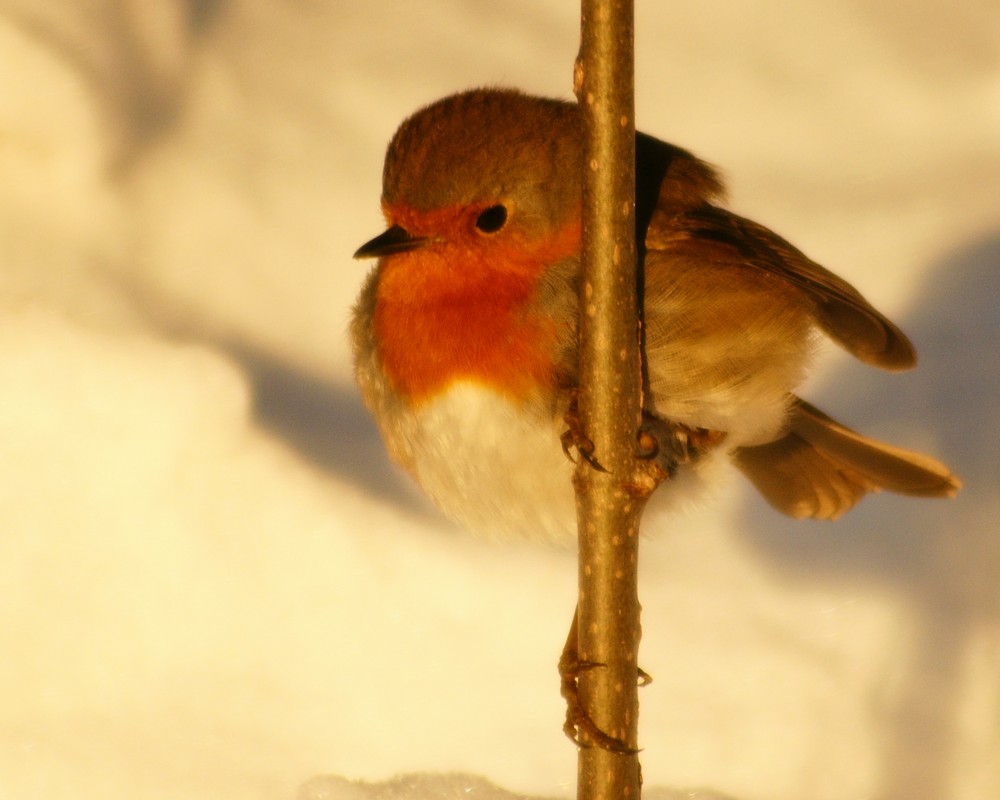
[(492, 219)]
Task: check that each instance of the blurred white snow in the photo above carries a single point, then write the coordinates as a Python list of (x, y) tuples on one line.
[(216, 586)]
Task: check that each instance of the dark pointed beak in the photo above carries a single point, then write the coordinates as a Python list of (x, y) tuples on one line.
[(394, 240)]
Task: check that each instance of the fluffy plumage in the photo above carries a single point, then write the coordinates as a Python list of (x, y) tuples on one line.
[(465, 333)]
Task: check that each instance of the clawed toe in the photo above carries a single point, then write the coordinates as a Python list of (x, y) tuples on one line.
[(573, 438), (579, 727), (671, 444)]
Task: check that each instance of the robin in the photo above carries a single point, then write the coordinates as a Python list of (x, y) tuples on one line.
[(465, 333)]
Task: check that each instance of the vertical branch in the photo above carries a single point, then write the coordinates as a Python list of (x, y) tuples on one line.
[(608, 508)]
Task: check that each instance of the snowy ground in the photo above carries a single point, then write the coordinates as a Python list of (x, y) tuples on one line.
[(214, 584)]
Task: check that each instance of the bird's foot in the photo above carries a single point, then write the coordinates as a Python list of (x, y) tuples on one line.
[(661, 444), (668, 444), (579, 727), (573, 438)]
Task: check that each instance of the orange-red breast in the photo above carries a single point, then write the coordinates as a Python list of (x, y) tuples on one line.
[(465, 333)]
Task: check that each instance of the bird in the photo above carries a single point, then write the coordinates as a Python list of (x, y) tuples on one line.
[(465, 332)]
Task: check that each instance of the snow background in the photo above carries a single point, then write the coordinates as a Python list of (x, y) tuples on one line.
[(214, 584)]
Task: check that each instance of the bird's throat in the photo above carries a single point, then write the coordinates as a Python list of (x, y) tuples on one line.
[(443, 316)]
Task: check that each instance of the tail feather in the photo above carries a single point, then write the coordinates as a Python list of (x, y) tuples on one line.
[(820, 469)]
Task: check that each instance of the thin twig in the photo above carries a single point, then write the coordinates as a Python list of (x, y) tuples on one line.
[(609, 502)]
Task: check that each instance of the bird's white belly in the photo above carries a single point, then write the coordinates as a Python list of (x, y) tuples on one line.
[(493, 465)]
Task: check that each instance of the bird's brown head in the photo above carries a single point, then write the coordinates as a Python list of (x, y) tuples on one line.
[(481, 168), (489, 148)]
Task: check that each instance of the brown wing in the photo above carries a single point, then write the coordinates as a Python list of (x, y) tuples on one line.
[(840, 310), (820, 468)]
